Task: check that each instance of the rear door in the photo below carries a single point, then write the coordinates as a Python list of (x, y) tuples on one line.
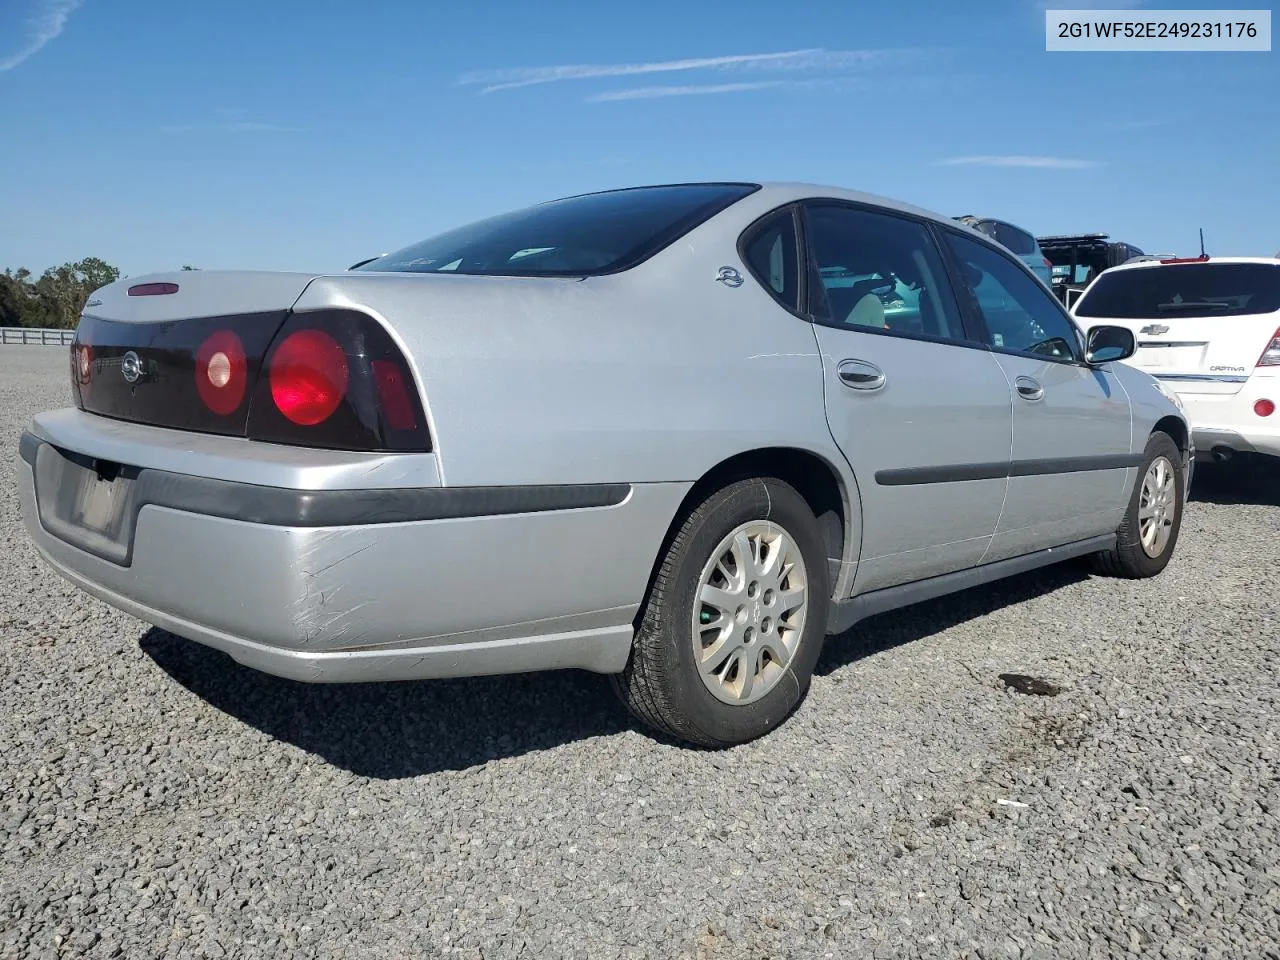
[(921, 412), (1201, 326), (1072, 456)]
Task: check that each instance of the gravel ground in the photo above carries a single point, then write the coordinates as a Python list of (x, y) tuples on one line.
[(156, 800)]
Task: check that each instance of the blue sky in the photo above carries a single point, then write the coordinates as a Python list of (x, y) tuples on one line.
[(307, 135)]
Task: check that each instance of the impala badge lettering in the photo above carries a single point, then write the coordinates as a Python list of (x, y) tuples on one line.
[(729, 277), (131, 366), (1155, 329)]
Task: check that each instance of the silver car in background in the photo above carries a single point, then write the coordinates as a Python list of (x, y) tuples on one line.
[(673, 434)]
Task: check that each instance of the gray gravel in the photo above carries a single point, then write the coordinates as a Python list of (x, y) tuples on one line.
[(156, 800)]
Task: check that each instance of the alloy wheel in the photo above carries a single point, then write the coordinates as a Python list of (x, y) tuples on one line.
[(1157, 506), (749, 612)]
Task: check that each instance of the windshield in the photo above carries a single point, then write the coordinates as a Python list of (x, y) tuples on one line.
[(1183, 290), (578, 236)]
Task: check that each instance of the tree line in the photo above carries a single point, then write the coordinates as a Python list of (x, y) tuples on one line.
[(56, 297)]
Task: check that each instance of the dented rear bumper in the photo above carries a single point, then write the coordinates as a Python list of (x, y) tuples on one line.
[(345, 585)]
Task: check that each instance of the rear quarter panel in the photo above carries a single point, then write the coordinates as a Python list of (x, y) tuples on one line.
[(652, 375)]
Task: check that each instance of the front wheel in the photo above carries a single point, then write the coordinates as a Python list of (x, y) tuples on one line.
[(734, 620), (1149, 530)]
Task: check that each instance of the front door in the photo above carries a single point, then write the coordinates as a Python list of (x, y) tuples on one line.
[(1073, 458), (921, 412)]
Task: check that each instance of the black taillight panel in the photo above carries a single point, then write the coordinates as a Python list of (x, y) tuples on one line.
[(336, 379), (147, 372)]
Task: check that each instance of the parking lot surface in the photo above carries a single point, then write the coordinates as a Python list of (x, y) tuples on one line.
[(157, 800)]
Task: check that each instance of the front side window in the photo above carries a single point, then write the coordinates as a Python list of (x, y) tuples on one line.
[(1020, 315), (878, 271), (770, 253), (577, 236), (1183, 290)]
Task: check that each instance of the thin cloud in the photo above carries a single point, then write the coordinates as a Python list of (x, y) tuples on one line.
[(241, 126), (45, 23), (808, 60), (1090, 4), (694, 90), (1048, 163), (577, 166), (1128, 125)]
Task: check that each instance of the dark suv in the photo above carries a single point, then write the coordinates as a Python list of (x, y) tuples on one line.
[(1078, 258)]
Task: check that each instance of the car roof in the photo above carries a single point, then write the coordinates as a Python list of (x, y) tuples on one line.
[(1149, 264), (773, 193), (782, 191)]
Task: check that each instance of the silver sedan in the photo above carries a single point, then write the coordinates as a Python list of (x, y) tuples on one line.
[(674, 434)]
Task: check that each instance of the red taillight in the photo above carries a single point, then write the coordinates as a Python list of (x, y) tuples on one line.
[(308, 377), (1264, 408), (393, 394), (84, 362), (152, 289), (221, 372), (1271, 355), (1203, 258), (336, 379)]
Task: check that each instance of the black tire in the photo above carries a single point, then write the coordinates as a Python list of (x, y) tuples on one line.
[(1128, 559), (660, 685)]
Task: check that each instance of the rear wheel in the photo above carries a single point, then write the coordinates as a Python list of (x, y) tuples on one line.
[(1149, 531), (735, 618)]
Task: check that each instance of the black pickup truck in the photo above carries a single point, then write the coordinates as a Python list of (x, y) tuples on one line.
[(1078, 258)]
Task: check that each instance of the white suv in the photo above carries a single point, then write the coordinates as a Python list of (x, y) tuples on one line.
[(1208, 328)]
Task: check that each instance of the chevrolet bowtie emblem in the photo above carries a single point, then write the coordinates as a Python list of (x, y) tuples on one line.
[(1155, 329), (131, 366)]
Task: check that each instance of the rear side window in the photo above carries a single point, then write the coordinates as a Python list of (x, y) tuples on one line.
[(1014, 240), (1183, 290), (770, 252), (577, 236)]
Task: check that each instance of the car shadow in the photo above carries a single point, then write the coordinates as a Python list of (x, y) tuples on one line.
[(896, 628), (391, 731), (1253, 481)]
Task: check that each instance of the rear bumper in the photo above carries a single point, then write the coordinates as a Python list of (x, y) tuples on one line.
[(336, 586), (1229, 421)]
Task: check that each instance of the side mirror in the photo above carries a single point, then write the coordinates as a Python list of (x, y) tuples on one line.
[(1108, 344)]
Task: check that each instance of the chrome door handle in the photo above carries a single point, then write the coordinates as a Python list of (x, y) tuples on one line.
[(860, 375), (1029, 389)]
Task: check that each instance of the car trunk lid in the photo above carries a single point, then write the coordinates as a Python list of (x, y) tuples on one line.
[(180, 350)]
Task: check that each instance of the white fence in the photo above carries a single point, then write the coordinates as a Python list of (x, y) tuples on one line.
[(39, 336)]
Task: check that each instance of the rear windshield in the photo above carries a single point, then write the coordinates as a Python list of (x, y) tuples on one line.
[(577, 236), (1183, 290)]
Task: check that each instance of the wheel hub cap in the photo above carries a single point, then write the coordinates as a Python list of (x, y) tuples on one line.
[(749, 612), (1157, 506)]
